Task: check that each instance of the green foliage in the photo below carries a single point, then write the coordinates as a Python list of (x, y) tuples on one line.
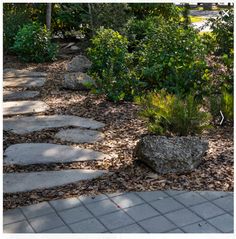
[(170, 115), (33, 44), (223, 29), (209, 41), (173, 58), (110, 65)]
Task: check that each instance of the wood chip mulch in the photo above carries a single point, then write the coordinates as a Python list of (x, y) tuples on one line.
[(122, 131)]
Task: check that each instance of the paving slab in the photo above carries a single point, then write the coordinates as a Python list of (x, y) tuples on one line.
[(79, 135), (19, 95), (18, 227), (43, 153), (25, 82), (24, 125), (12, 73), (11, 216), (23, 182), (24, 107)]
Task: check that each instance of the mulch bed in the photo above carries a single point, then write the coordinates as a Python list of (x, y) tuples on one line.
[(122, 131)]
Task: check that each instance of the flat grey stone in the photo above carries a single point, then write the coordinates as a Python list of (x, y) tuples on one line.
[(46, 222), (19, 95), (24, 107), (37, 210), (183, 217), (157, 224), (175, 231), (91, 225), (134, 228), (207, 210), (75, 214), (23, 125), (127, 200), (67, 203), (12, 73), (211, 195), (43, 153), (224, 223), (166, 205), (200, 227), (26, 82), (18, 227), (77, 81), (141, 212), (91, 199), (102, 207), (189, 198), (226, 203), (22, 182), (13, 215), (79, 135), (115, 220)]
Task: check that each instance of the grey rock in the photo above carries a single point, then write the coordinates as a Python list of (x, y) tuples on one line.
[(77, 81), (14, 73), (171, 155), (23, 182), (19, 95), (23, 125), (43, 153), (27, 82), (24, 107), (74, 48), (79, 63), (80, 135)]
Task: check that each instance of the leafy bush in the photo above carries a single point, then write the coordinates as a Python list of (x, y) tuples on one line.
[(173, 58), (111, 65), (170, 115), (33, 43)]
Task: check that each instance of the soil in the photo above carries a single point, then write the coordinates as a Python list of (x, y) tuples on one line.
[(123, 129)]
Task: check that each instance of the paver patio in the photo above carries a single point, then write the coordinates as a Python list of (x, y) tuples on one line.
[(133, 212)]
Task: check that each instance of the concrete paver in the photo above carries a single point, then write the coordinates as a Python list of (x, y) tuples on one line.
[(132, 212)]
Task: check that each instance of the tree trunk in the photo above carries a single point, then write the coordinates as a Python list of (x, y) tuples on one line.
[(48, 16)]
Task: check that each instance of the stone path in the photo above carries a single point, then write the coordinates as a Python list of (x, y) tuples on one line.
[(133, 212), (43, 153), (24, 107), (14, 73), (26, 82), (19, 95), (23, 125), (23, 182), (79, 135)]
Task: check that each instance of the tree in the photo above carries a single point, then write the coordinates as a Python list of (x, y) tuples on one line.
[(49, 16)]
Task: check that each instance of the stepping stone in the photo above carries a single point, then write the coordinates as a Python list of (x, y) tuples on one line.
[(27, 82), (80, 135), (23, 182), (14, 73), (43, 153), (23, 107), (19, 95), (23, 125)]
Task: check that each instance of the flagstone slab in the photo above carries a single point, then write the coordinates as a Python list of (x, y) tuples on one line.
[(23, 182), (43, 153), (19, 95), (80, 135), (13, 73), (23, 125), (24, 107), (27, 82)]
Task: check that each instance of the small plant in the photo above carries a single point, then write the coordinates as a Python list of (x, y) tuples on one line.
[(171, 115), (111, 65), (33, 44)]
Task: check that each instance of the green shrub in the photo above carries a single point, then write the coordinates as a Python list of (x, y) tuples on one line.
[(173, 58), (111, 65), (170, 115), (33, 44)]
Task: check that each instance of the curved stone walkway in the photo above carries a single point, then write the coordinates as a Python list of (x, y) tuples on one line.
[(133, 212)]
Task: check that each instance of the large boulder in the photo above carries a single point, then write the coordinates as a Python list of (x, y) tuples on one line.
[(171, 155), (77, 81), (79, 63)]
